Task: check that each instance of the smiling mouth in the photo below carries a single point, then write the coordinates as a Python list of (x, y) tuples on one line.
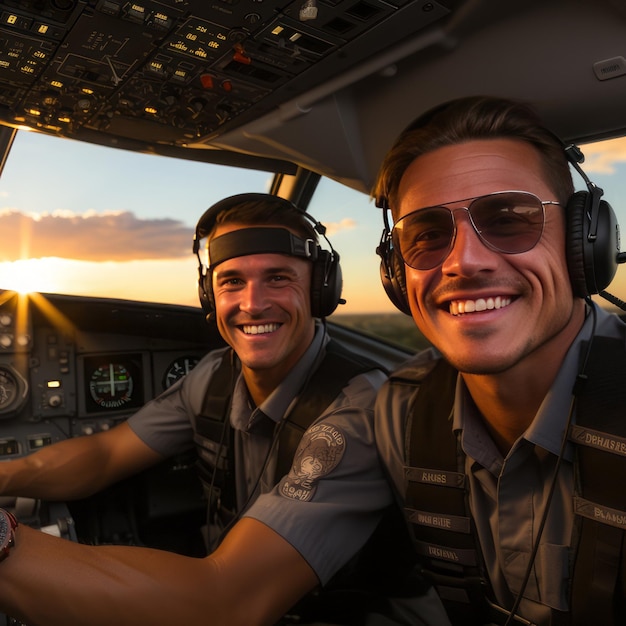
[(259, 329), (460, 307)]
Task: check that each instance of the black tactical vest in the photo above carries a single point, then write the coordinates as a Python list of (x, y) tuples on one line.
[(437, 508), (213, 433), (381, 568)]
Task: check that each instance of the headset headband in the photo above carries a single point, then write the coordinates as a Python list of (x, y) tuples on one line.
[(260, 240), (273, 238)]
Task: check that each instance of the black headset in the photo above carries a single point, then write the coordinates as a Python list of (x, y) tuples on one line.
[(593, 238), (592, 243), (326, 279)]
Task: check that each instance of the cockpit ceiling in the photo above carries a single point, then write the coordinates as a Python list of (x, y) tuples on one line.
[(180, 72), (320, 84)]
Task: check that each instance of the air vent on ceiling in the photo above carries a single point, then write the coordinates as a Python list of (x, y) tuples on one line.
[(610, 68)]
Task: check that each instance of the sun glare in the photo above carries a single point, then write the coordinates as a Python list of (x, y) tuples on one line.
[(164, 280), (27, 276)]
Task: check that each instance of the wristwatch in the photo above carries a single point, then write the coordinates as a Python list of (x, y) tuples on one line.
[(8, 524)]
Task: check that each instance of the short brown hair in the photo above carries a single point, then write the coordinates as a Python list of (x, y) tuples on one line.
[(472, 118), (265, 210)]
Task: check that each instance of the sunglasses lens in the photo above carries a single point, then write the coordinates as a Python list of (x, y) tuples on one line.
[(423, 237), (508, 222)]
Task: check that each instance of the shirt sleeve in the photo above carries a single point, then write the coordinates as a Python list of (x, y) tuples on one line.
[(334, 495), (166, 423)]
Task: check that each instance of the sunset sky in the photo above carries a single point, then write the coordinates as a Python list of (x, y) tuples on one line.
[(82, 219)]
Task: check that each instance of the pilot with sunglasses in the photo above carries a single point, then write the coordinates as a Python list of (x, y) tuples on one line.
[(485, 434)]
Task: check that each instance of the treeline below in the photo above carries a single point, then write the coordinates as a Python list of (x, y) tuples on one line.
[(395, 328)]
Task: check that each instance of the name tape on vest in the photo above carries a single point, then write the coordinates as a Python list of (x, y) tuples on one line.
[(599, 513), (461, 556), (599, 440), (209, 457), (434, 477), (455, 523)]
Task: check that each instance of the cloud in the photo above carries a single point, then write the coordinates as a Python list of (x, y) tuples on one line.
[(602, 157), (333, 228), (91, 236)]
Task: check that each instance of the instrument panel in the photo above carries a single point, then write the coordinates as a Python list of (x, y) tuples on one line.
[(73, 366)]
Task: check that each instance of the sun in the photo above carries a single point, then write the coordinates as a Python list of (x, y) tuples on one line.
[(28, 276)]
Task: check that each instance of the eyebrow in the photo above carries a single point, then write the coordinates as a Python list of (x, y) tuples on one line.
[(269, 271)]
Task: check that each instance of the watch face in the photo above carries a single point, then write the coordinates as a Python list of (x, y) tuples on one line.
[(7, 524)]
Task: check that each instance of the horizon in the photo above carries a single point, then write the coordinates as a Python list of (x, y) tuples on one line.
[(101, 234)]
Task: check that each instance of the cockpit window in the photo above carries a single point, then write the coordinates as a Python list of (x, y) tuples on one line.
[(89, 220)]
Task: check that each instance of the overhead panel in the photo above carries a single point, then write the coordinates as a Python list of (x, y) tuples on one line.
[(176, 72)]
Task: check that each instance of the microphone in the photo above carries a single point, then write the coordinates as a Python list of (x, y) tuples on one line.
[(613, 300), (621, 258)]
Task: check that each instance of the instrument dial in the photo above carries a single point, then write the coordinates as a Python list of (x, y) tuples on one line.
[(8, 388), (13, 389), (178, 368), (111, 386)]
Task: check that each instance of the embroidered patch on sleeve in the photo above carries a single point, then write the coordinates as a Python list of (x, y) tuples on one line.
[(319, 452)]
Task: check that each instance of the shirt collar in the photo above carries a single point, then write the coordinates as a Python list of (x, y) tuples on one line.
[(277, 404), (546, 429)]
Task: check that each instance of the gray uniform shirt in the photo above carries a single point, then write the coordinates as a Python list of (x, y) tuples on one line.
[(508, 494), (336, 491)]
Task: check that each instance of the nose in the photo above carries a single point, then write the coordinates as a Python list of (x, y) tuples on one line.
[(253, 298), (468, 254)]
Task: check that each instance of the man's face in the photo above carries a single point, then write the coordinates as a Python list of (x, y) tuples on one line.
[(532, 289), (263, 309)]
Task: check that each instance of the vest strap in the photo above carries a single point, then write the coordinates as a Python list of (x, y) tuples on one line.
[(337, 368), (213, 438), (437, 502), (598, 587)]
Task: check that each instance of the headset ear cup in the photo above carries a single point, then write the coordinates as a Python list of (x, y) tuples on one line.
[(393, 280), (592, 264), (575, 242), (605, 249), (205, 293), (326, 284)]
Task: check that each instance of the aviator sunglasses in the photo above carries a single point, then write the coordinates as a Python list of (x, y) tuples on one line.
[(505, 221)]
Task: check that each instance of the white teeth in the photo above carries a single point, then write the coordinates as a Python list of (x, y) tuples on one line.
[(260, 329), (458, 307)]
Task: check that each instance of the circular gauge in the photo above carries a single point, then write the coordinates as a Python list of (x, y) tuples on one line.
[(178, 368), (111, 386), (12, 389), (8, 388)]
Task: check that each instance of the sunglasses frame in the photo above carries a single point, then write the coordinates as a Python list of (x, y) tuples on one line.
[(471, 201)]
